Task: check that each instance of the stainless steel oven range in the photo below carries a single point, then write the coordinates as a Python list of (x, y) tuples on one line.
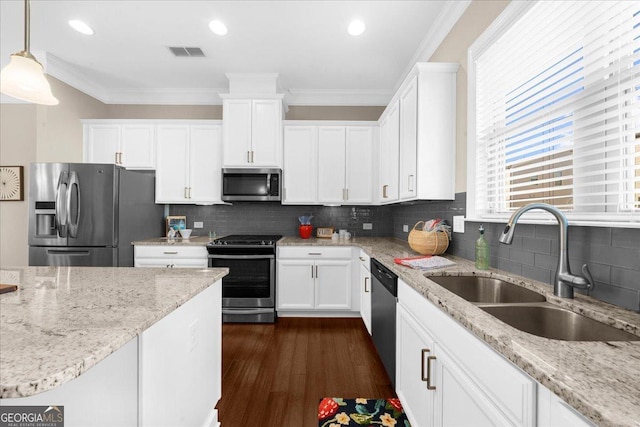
[(248, 292)]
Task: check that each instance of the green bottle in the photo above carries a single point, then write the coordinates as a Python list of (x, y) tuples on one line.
[(482, 251)]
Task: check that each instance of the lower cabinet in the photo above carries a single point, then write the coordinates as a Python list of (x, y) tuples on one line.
[(365, 290), (447, 377), (166, 256), (312, 278)]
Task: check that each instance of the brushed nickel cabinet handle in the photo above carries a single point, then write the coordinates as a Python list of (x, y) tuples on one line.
[(384, 191), (366, 279), (316, 271), (314, 253), (363, 259), (189, 192), (251, 156), (429, 386), (186, 192), (170, 252), (248, 157), (312, 271), (116, 156), (424, 351)]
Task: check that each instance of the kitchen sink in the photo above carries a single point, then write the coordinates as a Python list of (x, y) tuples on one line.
[(548, 321), (486, 289)]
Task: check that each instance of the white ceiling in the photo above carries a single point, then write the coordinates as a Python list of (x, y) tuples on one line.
[(305, 42)]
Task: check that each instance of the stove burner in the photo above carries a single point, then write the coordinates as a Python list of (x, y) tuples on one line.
[(246, 240)]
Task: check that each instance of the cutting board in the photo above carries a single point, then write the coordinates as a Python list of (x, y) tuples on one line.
[(7, 288)]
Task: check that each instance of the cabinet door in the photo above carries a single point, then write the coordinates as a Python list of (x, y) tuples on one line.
[(266, 133), (331, 164), (455, 390), (172, 164), (365, 297), (101, 143), (138, 146), (414, 346), (300, 165), (295, 285), (389, 155), (236, 129), (205, 164), (359, 164), (333, 289), (408, 140)]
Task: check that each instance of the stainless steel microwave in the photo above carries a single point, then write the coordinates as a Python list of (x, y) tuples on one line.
[(251, 185)]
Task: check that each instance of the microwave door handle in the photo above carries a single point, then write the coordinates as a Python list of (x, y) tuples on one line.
[(61, 192), (73, 225), (268, 184)]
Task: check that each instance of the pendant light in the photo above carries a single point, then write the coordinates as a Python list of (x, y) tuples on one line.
[(24, 77)]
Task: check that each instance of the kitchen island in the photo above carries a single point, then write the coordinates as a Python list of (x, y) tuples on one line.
[(114, 346)]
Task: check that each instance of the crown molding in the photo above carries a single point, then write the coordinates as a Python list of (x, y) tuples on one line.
[(337, 97), (447, 18), (70, 75), (166, 96)]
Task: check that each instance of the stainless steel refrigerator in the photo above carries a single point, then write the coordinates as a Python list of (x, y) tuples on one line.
[(86, 214)]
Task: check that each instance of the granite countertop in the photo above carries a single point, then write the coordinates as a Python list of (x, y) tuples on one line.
[(599, 379), (64, 320), (177, 241)]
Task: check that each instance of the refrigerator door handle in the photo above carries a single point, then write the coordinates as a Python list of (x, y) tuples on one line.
[(72, 223), (61, 214)]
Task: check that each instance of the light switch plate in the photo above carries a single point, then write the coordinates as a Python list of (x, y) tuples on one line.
[(405, 228), (367, 226), (198, 224), (458, 223)]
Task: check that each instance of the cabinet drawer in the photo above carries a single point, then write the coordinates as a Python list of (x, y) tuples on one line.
[(314, 252), (170, 252)]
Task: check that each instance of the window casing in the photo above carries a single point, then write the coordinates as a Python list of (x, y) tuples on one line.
[(554, 112)]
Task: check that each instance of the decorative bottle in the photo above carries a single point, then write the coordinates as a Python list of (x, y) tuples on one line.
[(482, 251)]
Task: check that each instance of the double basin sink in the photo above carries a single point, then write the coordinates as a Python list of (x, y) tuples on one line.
[(528, 311)]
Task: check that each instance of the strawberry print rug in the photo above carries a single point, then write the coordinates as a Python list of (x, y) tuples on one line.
[(339, 412)]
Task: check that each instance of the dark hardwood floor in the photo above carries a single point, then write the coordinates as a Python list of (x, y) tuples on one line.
[(275, 374)]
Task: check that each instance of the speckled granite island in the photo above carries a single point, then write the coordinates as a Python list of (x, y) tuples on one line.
[(107, 343), (601, 380)]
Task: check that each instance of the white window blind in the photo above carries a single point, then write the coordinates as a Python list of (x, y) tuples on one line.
[(557, 105)]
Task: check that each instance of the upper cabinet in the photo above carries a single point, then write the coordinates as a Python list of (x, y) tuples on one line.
[(123, 142), (252, 132), (424, 111), (389, 157), (328, 164), (189, 163)]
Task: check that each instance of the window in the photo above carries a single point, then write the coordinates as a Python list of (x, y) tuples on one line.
[(554, 111)]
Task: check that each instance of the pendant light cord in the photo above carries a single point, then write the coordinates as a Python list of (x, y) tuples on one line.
[(27, 25)]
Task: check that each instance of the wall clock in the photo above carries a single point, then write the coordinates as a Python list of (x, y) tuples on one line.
[(11, 183)]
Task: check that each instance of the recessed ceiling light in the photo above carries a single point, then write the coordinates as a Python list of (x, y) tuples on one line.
[(218, 27), (356, 28), (81, 27)]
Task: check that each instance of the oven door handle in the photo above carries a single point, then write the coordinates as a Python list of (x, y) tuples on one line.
[(271, 256)]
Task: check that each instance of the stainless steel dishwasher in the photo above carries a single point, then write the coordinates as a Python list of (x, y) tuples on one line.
[(384, 297)]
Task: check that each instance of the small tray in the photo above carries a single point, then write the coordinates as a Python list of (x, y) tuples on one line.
[(324, 232)]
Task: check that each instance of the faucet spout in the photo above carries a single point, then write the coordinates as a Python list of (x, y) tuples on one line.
[(564, 282)]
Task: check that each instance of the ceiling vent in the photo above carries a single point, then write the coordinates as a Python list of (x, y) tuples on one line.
[(180, 51)]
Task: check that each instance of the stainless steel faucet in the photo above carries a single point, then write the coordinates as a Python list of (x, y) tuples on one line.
[(564, 281)]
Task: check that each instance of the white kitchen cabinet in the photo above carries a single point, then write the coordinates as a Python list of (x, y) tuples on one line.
[(331, 164), (365, 289), (389, 155), (252, 132), (188, 164), (314, 279), (124, 143), (408, 139), (426, 120), (441, 368), (345, 164), (555, 412), (170, 256), (300, 165)]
